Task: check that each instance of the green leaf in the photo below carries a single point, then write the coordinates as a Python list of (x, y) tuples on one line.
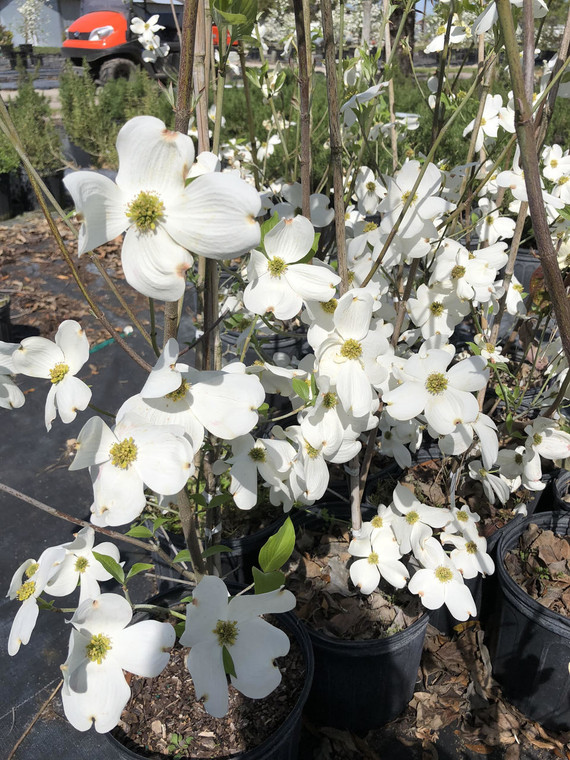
[(137, 568), (266, 582), (474, 348), (269, 224), (111, 566), (229, 666), (278, 548), (216, 549), (565, 212), (183, 556), (301, 388), (179, 628), (139, 531), (219, 500), (198, 498), (509, 422)]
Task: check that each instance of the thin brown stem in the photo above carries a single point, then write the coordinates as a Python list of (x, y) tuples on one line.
[(104, 531), (303, 51), (336, 143)]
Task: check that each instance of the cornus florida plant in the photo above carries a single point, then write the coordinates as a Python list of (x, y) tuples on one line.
[(340, 352)]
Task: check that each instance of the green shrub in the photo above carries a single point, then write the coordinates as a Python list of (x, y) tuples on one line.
[(6, 36), (32, 117), (92, 116)]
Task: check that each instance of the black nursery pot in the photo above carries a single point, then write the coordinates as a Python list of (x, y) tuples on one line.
[(361, 685), (531, 650), (560, 489), (283, 744)]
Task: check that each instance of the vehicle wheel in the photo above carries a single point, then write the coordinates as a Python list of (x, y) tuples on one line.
[(116, 68)]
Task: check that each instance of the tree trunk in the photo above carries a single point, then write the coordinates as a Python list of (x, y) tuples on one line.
[(402, 60)]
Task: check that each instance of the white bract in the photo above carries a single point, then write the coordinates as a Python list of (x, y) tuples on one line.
[(101, 646), (213, 216), (59, 362), (213, 624), (380, 555)]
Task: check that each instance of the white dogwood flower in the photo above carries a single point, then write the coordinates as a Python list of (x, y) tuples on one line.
[(80, 566), (279, 282), (444, 396), (441, 583), (213, 624), (27, 583), (213, 216), (101, 646), (470, 554), (123, 460), (380, 557), (59, 362), (11, 397), (223, 402)]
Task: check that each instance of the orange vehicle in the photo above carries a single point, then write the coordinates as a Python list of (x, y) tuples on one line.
[(102, 37)]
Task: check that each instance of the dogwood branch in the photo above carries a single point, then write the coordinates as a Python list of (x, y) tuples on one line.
[(529, 161), (105, 531)]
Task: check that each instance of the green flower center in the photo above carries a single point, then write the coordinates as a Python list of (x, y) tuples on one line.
[(276, 267), (554, 163), (490, 347), (412, 517), (227, 632), (123, 453), (370, 227), (563, 180), (351, 349), (407, 194), (26, 590), (372, 558), (58, 372), (462, 516), (329, 306), (312, 452), (483, 472), (440, 30), (443, 574), (377, 521), (371, 186), (98, 647), (537, 439), (518, 458), (436, 383), (471, 547), (330, 400), (81, 564), (388, 435), (518, 287), (457, 272), (257, 454), (32, 569), (180, 392), (437, 308), (145, 211)]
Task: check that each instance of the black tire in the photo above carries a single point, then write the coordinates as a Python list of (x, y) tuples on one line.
[(116, 68)]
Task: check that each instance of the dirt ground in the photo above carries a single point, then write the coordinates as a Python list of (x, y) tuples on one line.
[(457, 710)]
